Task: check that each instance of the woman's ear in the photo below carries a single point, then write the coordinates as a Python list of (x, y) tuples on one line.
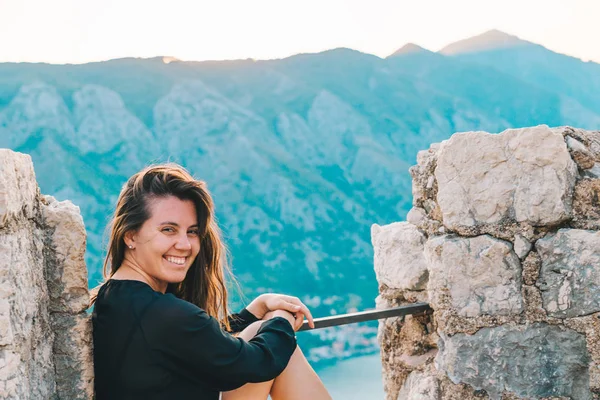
[(129, 239)]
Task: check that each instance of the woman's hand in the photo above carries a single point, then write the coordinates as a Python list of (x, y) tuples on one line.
[(271, 302), (293, 320)]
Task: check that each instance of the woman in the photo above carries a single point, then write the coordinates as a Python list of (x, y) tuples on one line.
[(161, 326)]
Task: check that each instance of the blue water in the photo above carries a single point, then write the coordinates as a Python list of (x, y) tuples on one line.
[(354, 379)]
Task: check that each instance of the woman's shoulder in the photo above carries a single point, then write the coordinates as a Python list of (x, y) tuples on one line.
[(171, 307), (120, 294), (164, 306), (171, 317), (124, 288)]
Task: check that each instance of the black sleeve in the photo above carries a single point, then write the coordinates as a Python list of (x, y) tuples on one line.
[(238, 322), (194, 344)]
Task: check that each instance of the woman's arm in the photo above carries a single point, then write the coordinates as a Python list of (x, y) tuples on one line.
[(240, 321), (251, 330), (192, 342), (272, 301)]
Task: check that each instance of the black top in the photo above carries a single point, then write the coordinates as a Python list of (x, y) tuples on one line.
[(150, 345)]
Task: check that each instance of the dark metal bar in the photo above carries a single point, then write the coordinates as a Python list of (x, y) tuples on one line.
[(371, 315)]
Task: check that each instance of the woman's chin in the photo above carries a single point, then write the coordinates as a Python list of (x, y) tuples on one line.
[(175, 276), (174, 273)]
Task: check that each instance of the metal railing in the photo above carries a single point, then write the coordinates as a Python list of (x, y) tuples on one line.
[(371, 315)]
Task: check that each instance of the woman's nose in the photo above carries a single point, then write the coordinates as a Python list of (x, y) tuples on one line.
[(183, 243)]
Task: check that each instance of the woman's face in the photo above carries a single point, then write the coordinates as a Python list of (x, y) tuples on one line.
[(167, 244)]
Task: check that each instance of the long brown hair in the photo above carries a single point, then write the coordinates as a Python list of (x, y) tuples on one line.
[(204, 284)]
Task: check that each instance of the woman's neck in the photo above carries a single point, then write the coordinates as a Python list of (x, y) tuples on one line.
[(130, 271)]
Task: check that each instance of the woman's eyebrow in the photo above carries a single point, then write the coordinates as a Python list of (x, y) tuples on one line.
[(169, 223), (176, 224)]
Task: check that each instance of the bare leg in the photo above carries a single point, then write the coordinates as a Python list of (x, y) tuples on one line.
[(297, 381), (250, 391)]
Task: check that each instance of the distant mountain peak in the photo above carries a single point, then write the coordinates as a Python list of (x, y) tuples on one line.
[(409, 48), (156, 59), (490, 40), (169, 59)]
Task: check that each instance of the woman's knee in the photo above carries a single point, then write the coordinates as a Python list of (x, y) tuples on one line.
[(250, 331)]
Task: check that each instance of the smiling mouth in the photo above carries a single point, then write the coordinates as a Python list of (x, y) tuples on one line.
[(176, 260)]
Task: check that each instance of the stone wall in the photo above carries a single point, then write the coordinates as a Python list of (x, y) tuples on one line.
[(503, 242), (45, 333)]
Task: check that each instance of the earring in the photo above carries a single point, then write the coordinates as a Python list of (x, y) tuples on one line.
[(131, 246)]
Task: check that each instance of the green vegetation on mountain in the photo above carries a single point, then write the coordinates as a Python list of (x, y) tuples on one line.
[(301, 154)]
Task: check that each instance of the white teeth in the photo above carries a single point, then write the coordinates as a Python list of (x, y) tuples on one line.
[(176, 260)]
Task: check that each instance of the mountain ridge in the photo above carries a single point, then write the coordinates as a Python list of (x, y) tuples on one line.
[(301, 154), (408, 48), (489, 40)]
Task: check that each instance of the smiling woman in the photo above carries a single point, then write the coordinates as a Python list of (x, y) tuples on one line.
[(160, 322), (162, 251)]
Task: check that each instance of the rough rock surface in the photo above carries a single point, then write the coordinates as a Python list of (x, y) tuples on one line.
[(586, 204), (522, 246), (67, 281), (531, 361), (523, 175), (17, 191), (399, 259), (508, 226), (476, 276), (45, 334), (580, 154), (420, 386), (570, 273)]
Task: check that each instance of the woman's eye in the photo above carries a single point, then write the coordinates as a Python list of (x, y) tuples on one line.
[(194, 232), (168, 229)]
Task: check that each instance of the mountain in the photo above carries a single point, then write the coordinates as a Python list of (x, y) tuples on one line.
[(576, 82), (301, 154), (408, 48), (490, 40)]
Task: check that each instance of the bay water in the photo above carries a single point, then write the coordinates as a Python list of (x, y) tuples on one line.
[(356, 378)]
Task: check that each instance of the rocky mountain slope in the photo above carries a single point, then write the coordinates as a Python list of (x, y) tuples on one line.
[(300, 153)]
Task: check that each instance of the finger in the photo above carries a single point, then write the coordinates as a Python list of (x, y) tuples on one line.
[(291, 307), (299, 320), (303, 309), (285, 304)]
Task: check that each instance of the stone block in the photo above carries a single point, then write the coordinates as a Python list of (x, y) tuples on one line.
[(423, 187), (570, 275), (420, 386), (27, 370), (22, 285), (73, 355), (416, 216), (18, 187), (475, 276), (399, 259), (535, 361), (65, 264), (523, 175), (521, 246)]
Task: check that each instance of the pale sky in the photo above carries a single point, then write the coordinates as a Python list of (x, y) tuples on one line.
[(79, 31)]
